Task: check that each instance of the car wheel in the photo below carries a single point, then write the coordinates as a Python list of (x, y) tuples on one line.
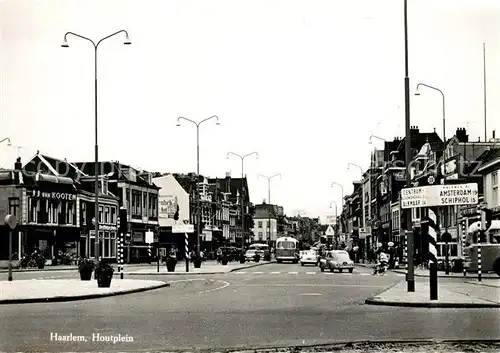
[(350, 270), (301, 264), (322, 269), (331, 269), (340, 270)]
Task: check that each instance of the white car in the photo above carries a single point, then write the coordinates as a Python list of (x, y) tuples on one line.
[(309, 257), (250, 254)]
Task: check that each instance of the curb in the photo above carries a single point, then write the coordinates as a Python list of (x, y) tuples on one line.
[(371, 301), (161, 273), (349, 345), (81, 297), (482, 284), (55, 268)]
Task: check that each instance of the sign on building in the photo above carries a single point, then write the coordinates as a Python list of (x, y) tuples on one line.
[(439, 195), (183, 228)]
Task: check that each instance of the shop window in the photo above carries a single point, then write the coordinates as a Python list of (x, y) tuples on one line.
[(106, 244), (113, 244)]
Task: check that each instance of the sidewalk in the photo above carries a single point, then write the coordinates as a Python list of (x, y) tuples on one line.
[(450, 295), (60, 290), (425, 273), (207, 268), (64, 268)]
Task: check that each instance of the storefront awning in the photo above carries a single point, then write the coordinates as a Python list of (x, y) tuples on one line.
[(495, 226)]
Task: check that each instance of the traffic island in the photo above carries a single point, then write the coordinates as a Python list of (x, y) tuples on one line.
[(211, 269), (453, 295), (61, 290)]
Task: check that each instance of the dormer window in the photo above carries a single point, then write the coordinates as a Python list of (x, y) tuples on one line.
[(104, 186)]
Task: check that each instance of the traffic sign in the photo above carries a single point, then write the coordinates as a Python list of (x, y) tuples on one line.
[(11, 221), (439, 195), (183, 228), (149, 237)]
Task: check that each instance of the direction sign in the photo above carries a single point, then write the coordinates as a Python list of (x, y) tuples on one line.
[(149, 237), (439, 195), (183, 228)]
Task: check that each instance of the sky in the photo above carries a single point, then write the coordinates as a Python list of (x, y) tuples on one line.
[(303, 83)]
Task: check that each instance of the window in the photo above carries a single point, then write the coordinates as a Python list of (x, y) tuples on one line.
[(84, 213), (71, 214), (260, 235), (106, 245), (112, 244), (260, 224), (144, 201), (13, 206), (106, 215), (113, 215), (494, 185), (100, 214)]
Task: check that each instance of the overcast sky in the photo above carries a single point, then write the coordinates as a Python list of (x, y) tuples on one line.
[(303, 83)]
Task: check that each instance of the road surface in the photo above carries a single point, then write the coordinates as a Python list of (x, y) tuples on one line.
[(275, 304)]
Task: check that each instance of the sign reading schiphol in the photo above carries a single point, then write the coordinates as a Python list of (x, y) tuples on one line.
[(439, 195), (183, 228)]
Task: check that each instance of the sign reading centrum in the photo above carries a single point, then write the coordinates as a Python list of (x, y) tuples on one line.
[(439, 195)]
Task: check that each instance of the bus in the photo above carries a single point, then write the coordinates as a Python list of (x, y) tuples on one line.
[(490, 251), (287, 250)]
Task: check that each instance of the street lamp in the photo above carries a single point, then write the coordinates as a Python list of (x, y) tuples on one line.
[(341, 189), (417, 93), (269, 200), (335, 204), (6, 139), (198, 210), (96, 172), (376, 137), (355, 165), (242, 191)]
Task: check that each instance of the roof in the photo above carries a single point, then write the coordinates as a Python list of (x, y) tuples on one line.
[(117, 171), (489, 158)]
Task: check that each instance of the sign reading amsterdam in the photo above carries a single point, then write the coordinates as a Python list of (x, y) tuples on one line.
[(440, 195)]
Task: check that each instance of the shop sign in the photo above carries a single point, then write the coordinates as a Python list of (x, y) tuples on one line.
[(53, 195)]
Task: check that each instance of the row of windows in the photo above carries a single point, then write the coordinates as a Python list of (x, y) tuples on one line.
[(51, 212), (108, 244), (143, 204)]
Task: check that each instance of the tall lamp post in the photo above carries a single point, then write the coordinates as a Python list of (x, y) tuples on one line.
[(336, 225), (376, 137), (198, 209), (229, 154), (269, 178), (417, 93), (96, 172), (410, 276), (6, 139)]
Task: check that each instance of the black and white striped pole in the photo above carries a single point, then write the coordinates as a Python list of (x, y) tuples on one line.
[(479, 241), (120, 254), (432, 233), (122, 230), (464, 241), (186, 250)]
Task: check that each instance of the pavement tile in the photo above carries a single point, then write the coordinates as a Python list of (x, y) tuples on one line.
[(449, 295), (52, 289)]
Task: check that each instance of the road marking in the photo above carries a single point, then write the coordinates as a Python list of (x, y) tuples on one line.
[(308, 285), (214, 289), (242, 272), (275, 273), (293, 273), (310, 294), (257, 273), (311, 273), (347, 274)]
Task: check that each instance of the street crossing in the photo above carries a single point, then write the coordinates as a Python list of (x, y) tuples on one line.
[(311, 273)]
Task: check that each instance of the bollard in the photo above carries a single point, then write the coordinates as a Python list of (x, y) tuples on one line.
[(432, 237)]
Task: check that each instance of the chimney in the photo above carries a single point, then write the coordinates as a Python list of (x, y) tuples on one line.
[(461, 135), (18, 165), (414, 129), (228, 175)]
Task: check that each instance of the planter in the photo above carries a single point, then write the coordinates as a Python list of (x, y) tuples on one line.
[(41, 265), (256, 258), (104, 280), (86, 275), (171, 263), (197, 263), (242, 260), (224, 262), (267, 257)]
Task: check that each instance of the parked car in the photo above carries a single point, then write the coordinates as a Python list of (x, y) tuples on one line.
[(250, 254), (309, 257), (336, 260)]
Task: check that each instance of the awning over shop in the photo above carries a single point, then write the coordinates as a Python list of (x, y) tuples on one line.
[(495, 226)]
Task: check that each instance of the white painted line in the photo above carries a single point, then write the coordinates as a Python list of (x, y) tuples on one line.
[(242, 272), (257, 273), (236, 285), (213, 290), (311, 273), (275, 273), (346, 274), (293, 273), (187, 280), (364, 274), (310, 294)]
